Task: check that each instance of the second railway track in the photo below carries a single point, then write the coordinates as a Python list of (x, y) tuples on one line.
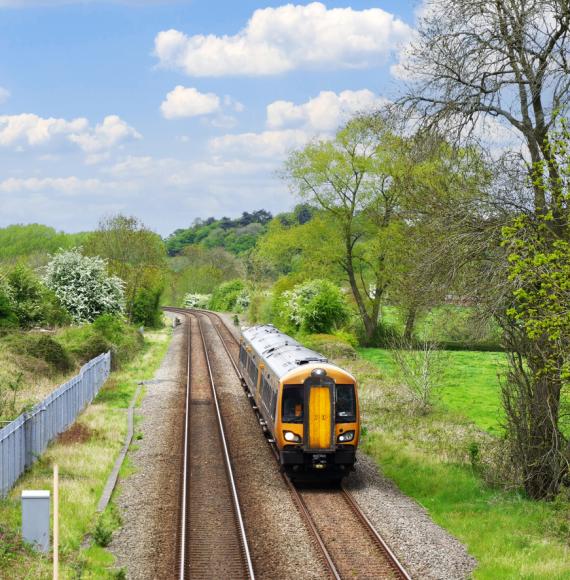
[(213, 542), (350, 547)]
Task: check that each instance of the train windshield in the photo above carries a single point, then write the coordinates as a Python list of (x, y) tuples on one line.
[(345, 404), (292, 404)]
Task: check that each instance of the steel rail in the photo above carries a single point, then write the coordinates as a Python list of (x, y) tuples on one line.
[(233, 487)]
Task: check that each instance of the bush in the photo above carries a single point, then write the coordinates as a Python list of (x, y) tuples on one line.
[(230, 296), (8, 318), (333, 346), (41, 347), (146, 308), (196, 300), (83, 285), (317, 306), (32, 302)]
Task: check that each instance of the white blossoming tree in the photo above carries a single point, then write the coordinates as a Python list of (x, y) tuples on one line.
[(84, 286)]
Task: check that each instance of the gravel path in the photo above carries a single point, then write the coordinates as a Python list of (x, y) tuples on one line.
[(280, 544), (425, 549), (149, 499)]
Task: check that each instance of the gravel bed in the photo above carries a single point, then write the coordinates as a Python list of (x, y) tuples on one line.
[(425, 549), (280, 544), (149, 499)]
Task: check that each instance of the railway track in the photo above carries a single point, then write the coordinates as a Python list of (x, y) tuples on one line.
[(348, 543), (212, 541)]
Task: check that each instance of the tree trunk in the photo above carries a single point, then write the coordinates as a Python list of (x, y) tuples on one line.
[(410, 324)]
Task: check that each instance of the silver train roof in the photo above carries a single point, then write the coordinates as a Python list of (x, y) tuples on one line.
[(280, 352)]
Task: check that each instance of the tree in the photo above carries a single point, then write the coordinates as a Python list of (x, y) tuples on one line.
[(83, 285), (349, 178), (135, 254), (504, 63)]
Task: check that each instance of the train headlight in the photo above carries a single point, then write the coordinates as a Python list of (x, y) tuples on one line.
[(345, 437), (292, 437)]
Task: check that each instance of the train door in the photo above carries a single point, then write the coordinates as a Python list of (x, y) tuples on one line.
[(319, 415)]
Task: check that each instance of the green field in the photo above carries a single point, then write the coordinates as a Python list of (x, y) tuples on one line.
[(470, 383)]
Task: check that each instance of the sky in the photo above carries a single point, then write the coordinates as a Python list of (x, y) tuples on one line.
[(174, 110)]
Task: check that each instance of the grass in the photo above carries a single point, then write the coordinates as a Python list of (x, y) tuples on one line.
[(469, 386), (85, 457), (445, 462), (510, 536)]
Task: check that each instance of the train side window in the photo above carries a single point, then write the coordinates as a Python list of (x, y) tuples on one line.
[(242, 355), (292, 404), (252, 371), (345, 404)]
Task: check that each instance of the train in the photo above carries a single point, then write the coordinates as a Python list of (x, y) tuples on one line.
[(308, 406)]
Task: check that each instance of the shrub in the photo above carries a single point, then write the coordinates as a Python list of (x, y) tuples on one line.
[(146, 308), (317, 306), (41, 347), (8, 318), (83, 286), (32, 302), (332, 346), (196, 300), (230, 296)]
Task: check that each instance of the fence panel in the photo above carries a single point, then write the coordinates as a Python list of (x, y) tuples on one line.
[(23, 440)]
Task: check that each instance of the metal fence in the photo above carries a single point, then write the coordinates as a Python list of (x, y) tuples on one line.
[(23, 440)]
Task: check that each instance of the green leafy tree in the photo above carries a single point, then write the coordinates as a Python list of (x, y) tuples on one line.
[(504, 63), (137, 256)]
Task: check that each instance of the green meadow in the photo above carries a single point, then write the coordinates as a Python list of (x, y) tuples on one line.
[(469, 385)]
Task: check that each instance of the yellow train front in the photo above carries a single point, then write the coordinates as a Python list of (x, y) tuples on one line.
[(309, 405)]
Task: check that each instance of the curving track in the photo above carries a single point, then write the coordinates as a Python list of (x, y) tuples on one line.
[(357, 550), (212, 542)]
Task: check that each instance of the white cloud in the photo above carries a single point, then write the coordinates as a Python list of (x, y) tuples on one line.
[(273, 144), (324, 113), (4, 95), (277, 40), (31, 129), (106, 135), (189, 102), (27, 129)]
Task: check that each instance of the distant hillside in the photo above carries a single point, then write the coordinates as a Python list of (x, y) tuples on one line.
[(19, 241), (234, 235)]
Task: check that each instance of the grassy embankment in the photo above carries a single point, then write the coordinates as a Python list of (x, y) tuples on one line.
[(446, 461), (85, 455)]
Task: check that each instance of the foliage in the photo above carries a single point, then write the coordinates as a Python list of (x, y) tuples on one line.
[(19, 241), (82, 285), (196, 300), (333, 346), (317, 306), (32, 302), (137, 256), (237, 236), (200, 270), (8, 318), (230, 296), (146, 308)]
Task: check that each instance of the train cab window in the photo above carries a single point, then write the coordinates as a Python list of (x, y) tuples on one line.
[(345, 404), (292, 404)]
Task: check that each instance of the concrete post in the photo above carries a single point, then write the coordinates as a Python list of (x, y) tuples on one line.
[(35, 518)]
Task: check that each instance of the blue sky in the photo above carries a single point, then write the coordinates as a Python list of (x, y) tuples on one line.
[(172, 110)]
